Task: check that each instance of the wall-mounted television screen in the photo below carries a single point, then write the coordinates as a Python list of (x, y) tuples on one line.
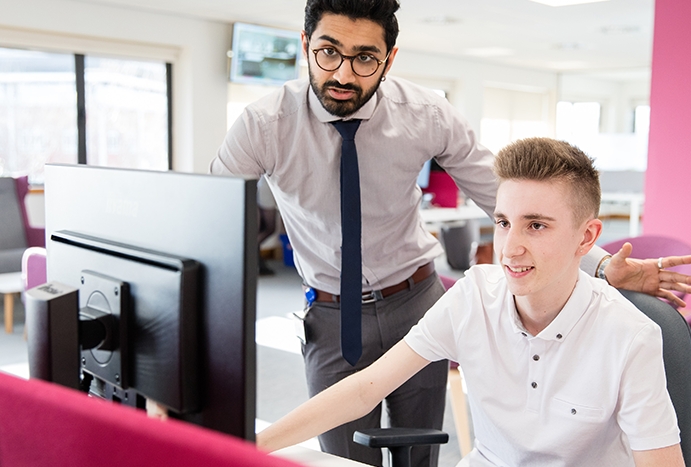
[(264, 55)]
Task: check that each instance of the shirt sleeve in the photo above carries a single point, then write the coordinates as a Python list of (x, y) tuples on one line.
[(434, 336), (243, 148), (590, 262), (646, 413), (465, 159)]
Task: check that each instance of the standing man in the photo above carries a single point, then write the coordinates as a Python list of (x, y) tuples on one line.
[(360, 222)]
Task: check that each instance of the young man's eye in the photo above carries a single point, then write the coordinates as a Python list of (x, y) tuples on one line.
[(537, 226), (364, 58), (502, 223), (329, 52)]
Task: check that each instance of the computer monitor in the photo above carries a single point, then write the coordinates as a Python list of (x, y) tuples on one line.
[(156, 275)]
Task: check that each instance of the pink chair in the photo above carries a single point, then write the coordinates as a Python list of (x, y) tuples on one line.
[(45, 424), (444, 189), (34, 267), (33, 273), (654, 246), (447, 281)]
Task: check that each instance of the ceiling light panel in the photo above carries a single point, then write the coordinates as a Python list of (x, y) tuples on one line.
[(566, 2)]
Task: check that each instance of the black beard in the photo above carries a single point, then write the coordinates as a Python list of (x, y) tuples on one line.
[(342, 108)]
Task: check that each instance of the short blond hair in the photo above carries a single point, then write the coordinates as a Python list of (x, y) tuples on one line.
[(547, 160)]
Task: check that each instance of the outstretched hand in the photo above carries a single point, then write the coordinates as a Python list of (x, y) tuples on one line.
[(644, 275)]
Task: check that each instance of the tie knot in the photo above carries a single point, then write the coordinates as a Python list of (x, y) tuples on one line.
[(347, 128)]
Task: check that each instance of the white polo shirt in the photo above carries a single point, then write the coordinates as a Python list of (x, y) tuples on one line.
[(585, 391)]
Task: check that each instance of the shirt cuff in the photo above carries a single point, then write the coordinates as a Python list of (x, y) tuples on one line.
[(590, 261)]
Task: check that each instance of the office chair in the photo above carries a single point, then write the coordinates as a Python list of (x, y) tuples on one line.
[(676, 342), (676, 353), (399, 441), (12, 234), (13, 242)]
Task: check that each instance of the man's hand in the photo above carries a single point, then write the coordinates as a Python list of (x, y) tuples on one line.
[(643, 275)]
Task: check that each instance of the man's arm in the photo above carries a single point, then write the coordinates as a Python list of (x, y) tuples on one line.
[(644, 275), (347, 400), (669, 457)]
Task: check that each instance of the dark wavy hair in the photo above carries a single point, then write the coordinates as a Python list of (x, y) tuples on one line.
[(381, 12)]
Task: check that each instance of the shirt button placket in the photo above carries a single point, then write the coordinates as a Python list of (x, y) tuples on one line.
[(536, 374)]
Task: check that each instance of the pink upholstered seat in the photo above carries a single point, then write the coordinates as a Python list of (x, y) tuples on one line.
[(45, 424)]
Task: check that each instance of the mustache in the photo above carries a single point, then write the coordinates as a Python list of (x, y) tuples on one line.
[(346, 86)]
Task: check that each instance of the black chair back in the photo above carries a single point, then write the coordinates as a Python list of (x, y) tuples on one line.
[(676, 352)]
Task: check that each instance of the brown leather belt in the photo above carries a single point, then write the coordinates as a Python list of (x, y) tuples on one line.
[(422, 273)]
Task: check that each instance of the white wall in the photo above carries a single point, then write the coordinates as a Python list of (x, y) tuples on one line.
[(465, 80), (196, 48)]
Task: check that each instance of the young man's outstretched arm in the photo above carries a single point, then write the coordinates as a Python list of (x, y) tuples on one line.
[(348, 400)]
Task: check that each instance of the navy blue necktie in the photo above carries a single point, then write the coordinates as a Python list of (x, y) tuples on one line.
[(351, 254)]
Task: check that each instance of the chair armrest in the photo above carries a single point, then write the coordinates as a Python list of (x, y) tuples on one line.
[(399, 441), (395, 437)]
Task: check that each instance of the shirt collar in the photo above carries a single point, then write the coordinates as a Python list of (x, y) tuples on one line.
[(567, 318), (364, 113)]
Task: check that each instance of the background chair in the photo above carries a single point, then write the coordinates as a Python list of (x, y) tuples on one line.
[(12, 235), (16, 234), (654, 246), (34, 267), (676, 352), (12, 245), (35, 236)]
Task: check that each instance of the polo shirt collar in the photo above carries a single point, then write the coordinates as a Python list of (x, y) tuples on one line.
[(364, 113), (566, 320)]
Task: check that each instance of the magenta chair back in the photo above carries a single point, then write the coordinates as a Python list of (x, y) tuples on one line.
[(46, 424), (34, 267)]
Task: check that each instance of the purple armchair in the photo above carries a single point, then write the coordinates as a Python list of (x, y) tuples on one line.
[(654, 246)]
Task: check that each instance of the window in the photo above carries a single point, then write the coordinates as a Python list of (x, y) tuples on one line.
[(38, 110), (577, 120), (74, 109), (509, 115), (641, 119), (127, 114), (579, 124)]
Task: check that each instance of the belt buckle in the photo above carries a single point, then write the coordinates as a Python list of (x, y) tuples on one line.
[(372, 296)]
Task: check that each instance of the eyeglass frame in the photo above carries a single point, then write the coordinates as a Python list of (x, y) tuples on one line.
[(351, 58)]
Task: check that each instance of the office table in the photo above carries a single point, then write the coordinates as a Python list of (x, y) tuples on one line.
[(311, 458), (432, 216), (635, 202)]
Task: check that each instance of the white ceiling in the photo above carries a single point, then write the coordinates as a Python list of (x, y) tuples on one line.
[(612, 38)]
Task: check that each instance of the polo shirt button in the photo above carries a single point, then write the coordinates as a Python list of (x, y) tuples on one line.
[(536, 357), (524, 334), (559, 336), (573, 411), (533, 384)]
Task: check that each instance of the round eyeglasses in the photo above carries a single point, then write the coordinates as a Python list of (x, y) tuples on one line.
[(363, 65)]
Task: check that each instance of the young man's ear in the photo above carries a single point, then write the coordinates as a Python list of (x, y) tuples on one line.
[(593, 229)]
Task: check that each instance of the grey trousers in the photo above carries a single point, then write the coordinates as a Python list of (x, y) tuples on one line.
[(417, 403)]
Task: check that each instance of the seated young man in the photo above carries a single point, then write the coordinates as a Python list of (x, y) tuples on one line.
[(561, 370)]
